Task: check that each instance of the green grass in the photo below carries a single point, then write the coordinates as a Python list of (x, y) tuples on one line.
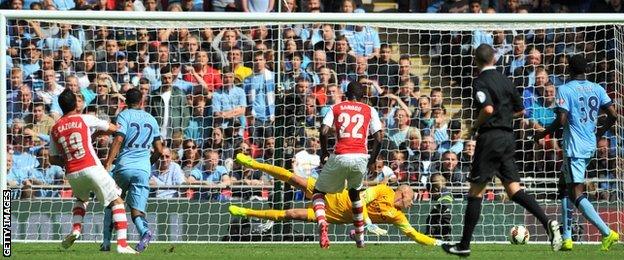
[(309, 251)]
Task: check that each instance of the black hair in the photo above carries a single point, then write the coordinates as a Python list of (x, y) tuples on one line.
[(355, 91), (67, 101), (577, 65), (484, 54), (133, 97)]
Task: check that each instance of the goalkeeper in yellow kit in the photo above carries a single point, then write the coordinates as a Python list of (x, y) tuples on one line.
[(383, 205)]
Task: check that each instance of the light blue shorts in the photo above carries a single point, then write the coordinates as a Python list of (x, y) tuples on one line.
[(135, 187), (574, 169)]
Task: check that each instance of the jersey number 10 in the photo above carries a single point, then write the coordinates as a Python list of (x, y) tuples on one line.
[(345, 120)]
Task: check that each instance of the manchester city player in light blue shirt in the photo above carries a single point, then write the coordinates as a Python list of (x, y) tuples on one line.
[(579, 103), (138, 133)]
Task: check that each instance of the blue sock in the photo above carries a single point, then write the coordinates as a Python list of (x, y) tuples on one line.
[(107, 228), (141, 224), (583, 204), (566, 217)]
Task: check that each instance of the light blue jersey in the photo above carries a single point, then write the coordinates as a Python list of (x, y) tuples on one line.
[(140, 130), (582, 100)]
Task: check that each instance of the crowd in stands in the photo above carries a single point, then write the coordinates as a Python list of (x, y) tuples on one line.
[(217, 92)]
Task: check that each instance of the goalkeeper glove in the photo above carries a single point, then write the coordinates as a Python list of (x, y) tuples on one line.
[(372, 228)]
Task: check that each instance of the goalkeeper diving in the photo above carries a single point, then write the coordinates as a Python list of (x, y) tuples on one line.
[(383, 205)]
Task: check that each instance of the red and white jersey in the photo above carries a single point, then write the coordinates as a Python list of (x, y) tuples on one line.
[(71, 139), (354, 122)]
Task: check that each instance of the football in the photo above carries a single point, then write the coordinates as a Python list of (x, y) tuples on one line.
[(519, 235)]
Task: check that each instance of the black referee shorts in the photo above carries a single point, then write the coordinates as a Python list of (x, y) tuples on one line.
[(494, 156)]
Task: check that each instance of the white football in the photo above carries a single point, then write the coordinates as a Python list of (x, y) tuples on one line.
[(519, 235)]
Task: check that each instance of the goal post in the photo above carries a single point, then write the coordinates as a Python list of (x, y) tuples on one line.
[(438, 50)]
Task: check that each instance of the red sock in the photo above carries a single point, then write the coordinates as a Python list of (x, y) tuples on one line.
[(78, 214), (121, 224)]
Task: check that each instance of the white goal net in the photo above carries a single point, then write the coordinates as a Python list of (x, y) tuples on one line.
[(261, 86)]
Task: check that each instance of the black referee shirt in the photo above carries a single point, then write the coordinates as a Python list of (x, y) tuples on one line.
[(494, 89)]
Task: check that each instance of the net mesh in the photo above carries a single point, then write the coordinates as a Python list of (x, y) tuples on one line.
[(262, 90)]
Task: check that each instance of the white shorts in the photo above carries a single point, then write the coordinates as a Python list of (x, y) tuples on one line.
[(351, 168), (96, 179)]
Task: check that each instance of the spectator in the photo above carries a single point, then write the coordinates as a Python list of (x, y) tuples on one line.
[(17, 179), (399, 165), (398, 135), (199, 124), (532, 94), (518, 60), (455, 143), (169, 106), (544, 110), (424, 160), (413, 146), (87, 70), (152, 72), (167, 173), (466, 156), (525, 75), (203, 74), (405, 68), (234, 57), (23, 106), (260, 90), (409, 93), (312, 118), (45, 174), (307, 161), (364, 40), (291, 108), (229, 103), (257, 6), (559, 75), (386, 69), (382, 174), (603, 167), (296, 71), (39, 122), (64, 38), (501, 46), (319, 60), (219, 143), (23, 159), (334, 96), (209, 171), (51, 89), (108, 101), (343, 60), (422, 117), (440, 125), (121, 75), (436, 97), (189, 155), (451, 169), (226, 40)]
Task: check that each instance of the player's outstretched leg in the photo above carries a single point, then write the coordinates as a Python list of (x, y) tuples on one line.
[(271, 214), (141, 224), (275, 171), (609, 237), (78, 213), (566, 218), (358, 216), (318, 202), (530, 204), (107, 230), (121, 227)]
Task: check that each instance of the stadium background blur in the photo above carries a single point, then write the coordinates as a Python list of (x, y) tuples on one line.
[(224, 97)]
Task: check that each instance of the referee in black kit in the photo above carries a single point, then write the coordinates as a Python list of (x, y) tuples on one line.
[(498, 103)]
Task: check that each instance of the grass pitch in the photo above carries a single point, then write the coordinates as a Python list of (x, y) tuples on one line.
[(309, 251)]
